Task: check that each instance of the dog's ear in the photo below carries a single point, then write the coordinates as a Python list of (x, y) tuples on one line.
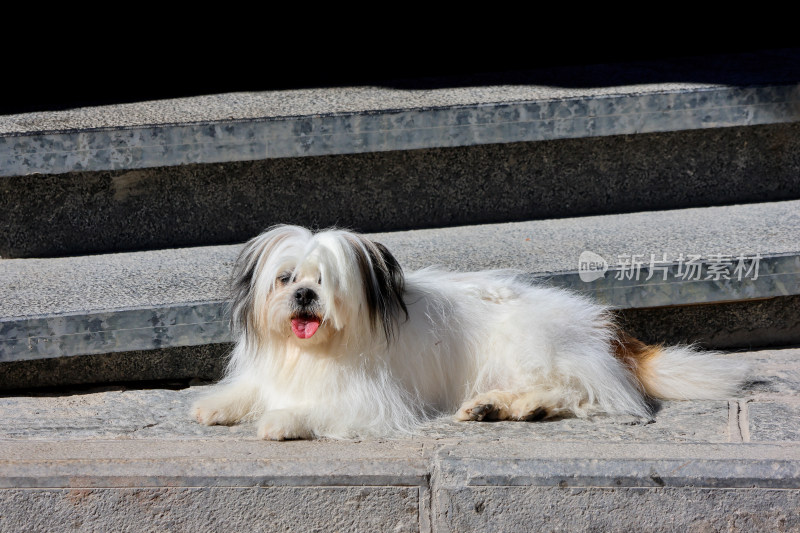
[(384, 284), (245, 284), (242, 290)]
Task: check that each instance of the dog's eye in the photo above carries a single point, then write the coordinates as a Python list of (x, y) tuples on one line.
[(285, 278), (319, 281)]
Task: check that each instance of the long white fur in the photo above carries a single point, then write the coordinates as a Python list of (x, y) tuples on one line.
[(466, 334), (683, 373)]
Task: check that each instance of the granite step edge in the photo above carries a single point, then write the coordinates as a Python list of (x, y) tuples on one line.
[(640, 111), (197, 323)]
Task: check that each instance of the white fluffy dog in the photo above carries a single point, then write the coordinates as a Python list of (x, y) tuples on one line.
[(333, 340)]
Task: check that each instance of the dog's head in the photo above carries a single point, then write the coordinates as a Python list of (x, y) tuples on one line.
[(292, 284)]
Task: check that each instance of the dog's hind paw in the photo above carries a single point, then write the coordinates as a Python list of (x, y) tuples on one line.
[(489, 406), (479, 413), (283, 425), (534, 415)]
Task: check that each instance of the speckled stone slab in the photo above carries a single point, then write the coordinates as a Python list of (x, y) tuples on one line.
[(252, 126), (118, 412), (88, 213), (97, 456), (121, 413), (146, 300)]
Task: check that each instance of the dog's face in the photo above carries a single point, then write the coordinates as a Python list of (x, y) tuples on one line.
[(297, 304), (292, 285)]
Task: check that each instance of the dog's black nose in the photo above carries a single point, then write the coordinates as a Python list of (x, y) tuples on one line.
[(304, 296)]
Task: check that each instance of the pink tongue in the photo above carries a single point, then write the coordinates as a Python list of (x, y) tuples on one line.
[(304, 328)]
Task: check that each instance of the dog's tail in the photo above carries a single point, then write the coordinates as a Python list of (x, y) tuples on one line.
[(680, 372)]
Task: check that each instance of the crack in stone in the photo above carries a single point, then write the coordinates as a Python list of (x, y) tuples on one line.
[(738, 421), (734, 428), (744, 420)]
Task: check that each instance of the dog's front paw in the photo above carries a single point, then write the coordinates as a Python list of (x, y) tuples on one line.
[(226, 405), (493, 405), (212, 414), (209, 417), (283, 425)]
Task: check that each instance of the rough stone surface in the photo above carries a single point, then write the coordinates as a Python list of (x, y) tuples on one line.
[(118, 411), (123, 282), (775, 421), (205, 362), (727, 326), (192, 205), (775, 415), (761, 67), (616, 510), (158, 299), (109, 458), (730, 326), (212, 509), (160, 278), (304, 102), (504, 115)]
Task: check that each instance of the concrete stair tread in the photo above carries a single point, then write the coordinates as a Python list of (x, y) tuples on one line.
[(161, 277), (261, 106), (144, 300), (253, 126), (117, 439), (759, 68)]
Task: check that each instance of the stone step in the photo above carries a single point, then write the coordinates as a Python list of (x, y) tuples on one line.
[(217, 169), (586, 101), (102, 459), (144, 302)]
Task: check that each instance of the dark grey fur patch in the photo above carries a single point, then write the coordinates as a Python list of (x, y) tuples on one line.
[(241, 307), (384, 283)]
